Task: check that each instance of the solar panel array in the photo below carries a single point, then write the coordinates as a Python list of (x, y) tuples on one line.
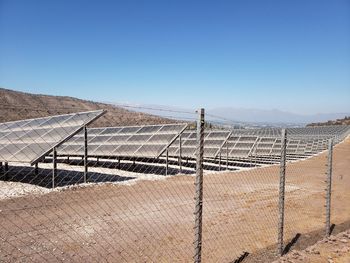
[(314, 132), (301, 142), (29, 140), (246, 146), (131, 141), (334, 130), (213, 142), (244, 143)]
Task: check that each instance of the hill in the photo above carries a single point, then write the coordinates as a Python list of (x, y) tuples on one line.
[(15, 105), (344, 121)]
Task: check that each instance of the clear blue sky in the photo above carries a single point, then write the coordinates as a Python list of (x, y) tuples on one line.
[(289, 55)]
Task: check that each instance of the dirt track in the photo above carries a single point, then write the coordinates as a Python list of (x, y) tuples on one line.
[(153, 220)]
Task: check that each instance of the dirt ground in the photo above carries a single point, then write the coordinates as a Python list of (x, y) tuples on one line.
[(335, 249), (152, 221)]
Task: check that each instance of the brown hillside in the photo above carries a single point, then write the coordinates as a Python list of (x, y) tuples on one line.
[(344, 121), (16, 105)]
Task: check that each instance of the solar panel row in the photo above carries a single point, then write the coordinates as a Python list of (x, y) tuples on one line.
[(29, 140), (244, 143), (134, 141), (327, 131)]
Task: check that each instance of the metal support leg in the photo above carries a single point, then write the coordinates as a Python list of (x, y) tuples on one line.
[(281, 193), (36, 169), (54, 168), (226, 156), (167, 162), (118, 162), (6, 168), (329, 187), (220, 161), (180, 154), (85, 155)]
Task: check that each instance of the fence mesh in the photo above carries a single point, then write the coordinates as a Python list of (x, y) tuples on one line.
[(305, 194), (340, 208), (71, 190)]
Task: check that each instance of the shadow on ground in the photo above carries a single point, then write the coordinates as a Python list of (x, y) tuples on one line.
[(44, 177), (300, 242)]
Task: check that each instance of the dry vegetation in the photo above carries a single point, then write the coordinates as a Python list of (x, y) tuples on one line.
[(16, 105), (344, 121)]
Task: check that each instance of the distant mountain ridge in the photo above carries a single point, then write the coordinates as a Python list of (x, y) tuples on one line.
[(242, 115), (273, 116), (15, 105)]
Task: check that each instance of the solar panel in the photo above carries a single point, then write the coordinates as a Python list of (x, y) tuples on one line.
[(29, 140), (131, 141), (213, 142)]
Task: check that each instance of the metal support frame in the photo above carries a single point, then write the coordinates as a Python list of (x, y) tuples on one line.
[(6, 170), (220, 161), (281, 193), (199, 188), (329, 187), (85, 155), (166, 161), (226, 156), (54, 166), (118, 162), (36, 169), (180, 153)]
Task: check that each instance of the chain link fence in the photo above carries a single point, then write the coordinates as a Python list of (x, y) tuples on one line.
[(186, 190)]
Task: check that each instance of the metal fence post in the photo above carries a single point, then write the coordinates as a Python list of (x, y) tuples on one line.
[(85, 154), (329, 187), (281, 192), (199, 188), (54, 168)]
